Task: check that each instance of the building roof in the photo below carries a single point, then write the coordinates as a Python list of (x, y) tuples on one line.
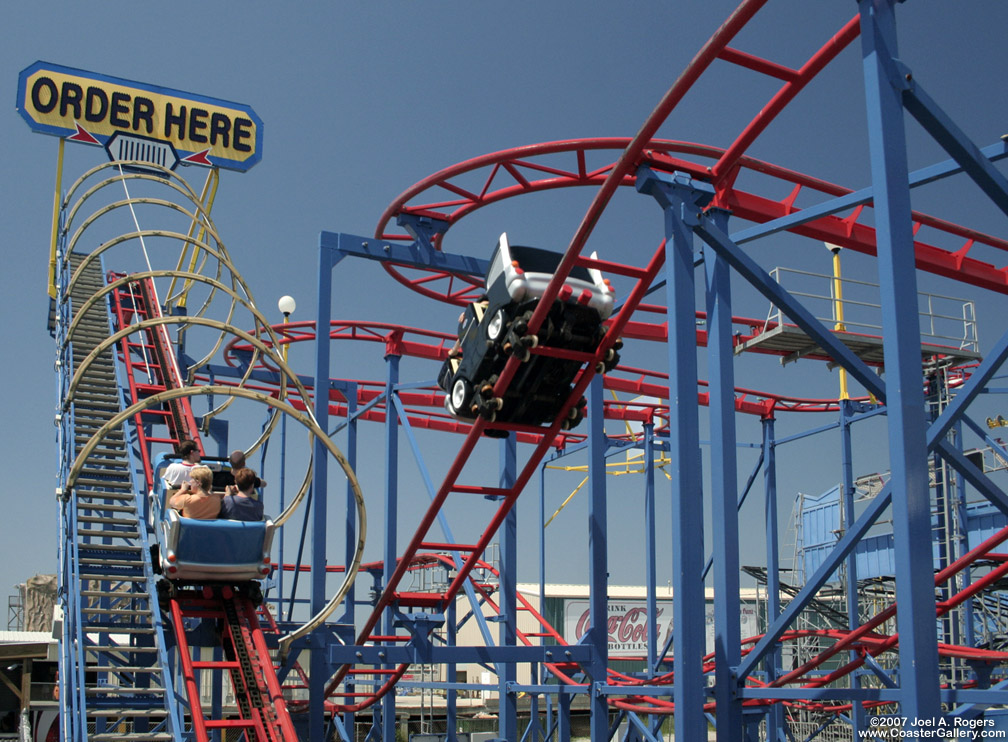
[(37, 644)]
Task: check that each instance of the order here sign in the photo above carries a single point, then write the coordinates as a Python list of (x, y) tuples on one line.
[(92, 108)]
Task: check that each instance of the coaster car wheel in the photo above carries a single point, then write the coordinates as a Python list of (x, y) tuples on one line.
[(497, 325), (460, 394)]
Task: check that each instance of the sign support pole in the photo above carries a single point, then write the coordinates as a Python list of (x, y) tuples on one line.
[(51, 288)]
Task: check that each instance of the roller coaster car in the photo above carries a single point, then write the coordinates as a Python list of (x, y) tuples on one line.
[(220, 550), (214, 550), (496, 327)]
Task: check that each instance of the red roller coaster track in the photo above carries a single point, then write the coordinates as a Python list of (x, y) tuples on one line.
[(951, 251)]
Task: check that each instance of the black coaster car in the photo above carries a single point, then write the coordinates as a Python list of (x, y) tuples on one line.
[(496, 327)]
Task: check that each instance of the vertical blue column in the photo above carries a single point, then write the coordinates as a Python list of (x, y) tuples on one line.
[(391, 521), (943, 511), (508, 629), (451, 701), (650, 569), (280, 509), (724, 490), (563, 717), (318, 650), (858, 719), (911, 510), (775, 716), (352, 526), (598, 564), (650, 563), (538, 676), (962, 517), (681, 210)]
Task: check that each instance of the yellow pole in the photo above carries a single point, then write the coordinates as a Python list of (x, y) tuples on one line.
[(207, 197), (55, 220), (838, 312)]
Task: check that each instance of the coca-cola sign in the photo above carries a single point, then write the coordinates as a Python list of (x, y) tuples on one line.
[(628, 623)]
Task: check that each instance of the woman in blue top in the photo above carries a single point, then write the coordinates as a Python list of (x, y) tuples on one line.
[(240, 502)]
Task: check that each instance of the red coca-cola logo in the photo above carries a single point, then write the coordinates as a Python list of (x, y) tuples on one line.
[(630, 626)]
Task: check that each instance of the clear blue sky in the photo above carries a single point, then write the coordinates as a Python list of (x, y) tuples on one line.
[(361, 100)]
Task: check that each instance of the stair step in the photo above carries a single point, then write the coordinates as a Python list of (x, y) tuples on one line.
[(114, 594), (105, 474), (126, 711), (97, 549), (107, 533), (112, 628), (107, 520), (123, 571), (104, 690), (122, 650), (95, 495), (123, 612), (109, 508), (121, 669), (104, 483), (111, 453)]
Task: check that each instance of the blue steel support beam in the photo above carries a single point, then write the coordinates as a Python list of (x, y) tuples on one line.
[(775, 715), (827, 567), (966, 578), (282, 507), (451, 698), (598, 564), (974, 386), (423, 229), (349, 613), (901, 344), (681, 204), (650, 568), (350, 531), (944, 131), (317, 649), (391, 522), (951, 416), (924, 176), (474, 601), (943, 512), (350, 245), (508, 628), (564, 717), (974, 476), (858, 719), (724, 489)]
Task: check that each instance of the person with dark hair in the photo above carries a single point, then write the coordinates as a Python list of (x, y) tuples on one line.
[(194, 499), (239, 503), (178, 472), (237, 461)]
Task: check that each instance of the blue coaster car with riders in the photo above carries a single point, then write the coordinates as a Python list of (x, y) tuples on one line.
[(197, 552)]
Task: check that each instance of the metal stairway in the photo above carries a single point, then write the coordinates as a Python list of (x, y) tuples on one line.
[(119, 683)]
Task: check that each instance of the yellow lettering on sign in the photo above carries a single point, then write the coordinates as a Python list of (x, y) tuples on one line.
[(103, 108)]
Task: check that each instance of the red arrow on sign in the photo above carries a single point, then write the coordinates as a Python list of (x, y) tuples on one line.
[(82, 136), (200, 158)]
